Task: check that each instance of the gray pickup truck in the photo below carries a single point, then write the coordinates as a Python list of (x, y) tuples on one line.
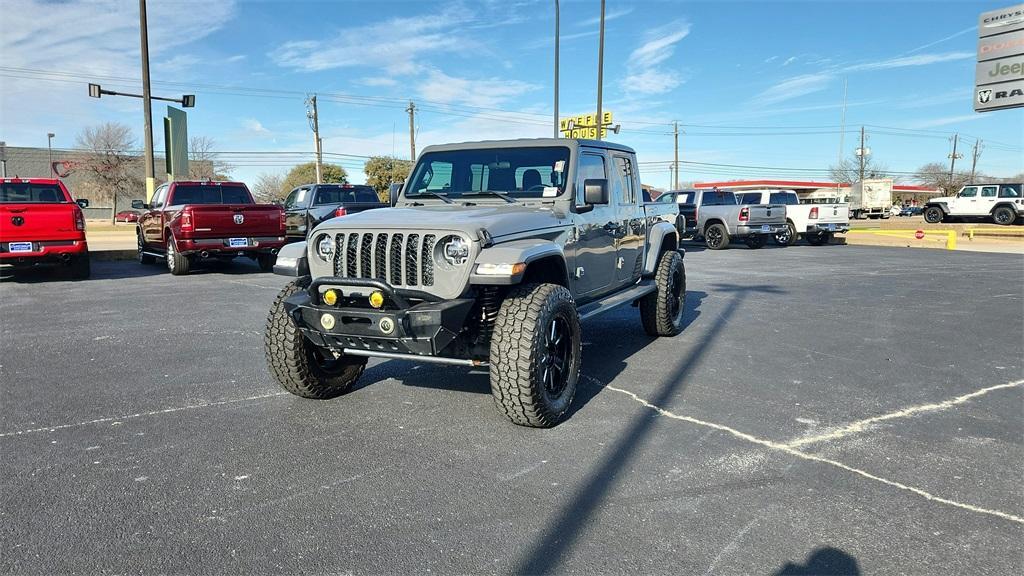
[(492, 256), (721, 219)]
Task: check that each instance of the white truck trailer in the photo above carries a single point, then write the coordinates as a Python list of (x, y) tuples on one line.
[(871, 199)]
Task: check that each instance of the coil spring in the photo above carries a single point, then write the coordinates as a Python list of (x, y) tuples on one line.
[(490, 303)]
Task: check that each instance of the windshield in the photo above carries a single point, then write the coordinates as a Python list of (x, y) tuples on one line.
[(210, 194), (22, 192), (518, 172)]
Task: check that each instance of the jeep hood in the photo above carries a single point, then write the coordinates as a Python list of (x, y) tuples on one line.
[(497, 220), (941, 200)]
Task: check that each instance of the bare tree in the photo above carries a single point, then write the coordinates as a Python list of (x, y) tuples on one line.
[(204, 163), (847, 170), (109, 158), (269, 188), (935, 175)]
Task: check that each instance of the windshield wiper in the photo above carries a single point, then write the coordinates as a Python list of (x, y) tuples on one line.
[(501, 195), (438, 195)]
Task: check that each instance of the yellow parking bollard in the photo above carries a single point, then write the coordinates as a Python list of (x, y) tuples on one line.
[(951, 240)]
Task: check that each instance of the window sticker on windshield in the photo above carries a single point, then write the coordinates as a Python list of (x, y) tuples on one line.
[(550, 191), (559, 167)]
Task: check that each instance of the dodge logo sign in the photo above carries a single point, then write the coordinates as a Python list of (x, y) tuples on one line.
[(239, 218), (984, 96), (17, 220)]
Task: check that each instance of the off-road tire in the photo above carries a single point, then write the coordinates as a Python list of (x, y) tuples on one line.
[(299, 366), (934, 215), (755, 241), (177, 263), (661, 311), (787, 238), (1004, 216), (266, 262), (819, 238), (143, 257), (519, 354), (716, 237), (80, 269)]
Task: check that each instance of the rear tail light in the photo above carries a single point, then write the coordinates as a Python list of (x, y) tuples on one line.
[(814, 213), (341, 211), (284, 220), (186, 219), (79, 219), (744, 214)]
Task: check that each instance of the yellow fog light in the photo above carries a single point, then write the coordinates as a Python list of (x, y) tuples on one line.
[(331, 297), (377, 299)]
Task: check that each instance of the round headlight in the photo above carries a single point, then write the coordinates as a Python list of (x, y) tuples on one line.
[(455, 250), (325, 248)]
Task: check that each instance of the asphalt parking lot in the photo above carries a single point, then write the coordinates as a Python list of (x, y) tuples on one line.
[(829, 410)]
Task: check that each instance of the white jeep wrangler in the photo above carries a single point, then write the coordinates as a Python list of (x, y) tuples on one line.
[(1003, 203)]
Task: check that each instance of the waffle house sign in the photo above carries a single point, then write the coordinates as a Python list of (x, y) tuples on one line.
[(585, 125)]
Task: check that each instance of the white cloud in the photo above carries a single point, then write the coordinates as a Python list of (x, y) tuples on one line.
[(789, 61), (93, 37), (395, 45), (608, 16), (377, 81), (236, 58), (770, 59), (945, 121), (644, 76), (489, 92), (254, 126), (941, 40), (795, 87), (905, 61)]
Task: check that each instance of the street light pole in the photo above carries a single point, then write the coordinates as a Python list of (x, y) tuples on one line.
[(49, 149), (556, 69), (146, 108), (600, 72)]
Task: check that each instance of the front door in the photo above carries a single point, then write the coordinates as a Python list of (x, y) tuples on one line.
[(966, 201), (594, 261)]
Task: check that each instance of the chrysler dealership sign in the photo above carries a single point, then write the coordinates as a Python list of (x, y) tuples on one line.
[(999, 75)]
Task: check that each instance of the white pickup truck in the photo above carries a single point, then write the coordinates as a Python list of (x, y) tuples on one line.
[(815, 222)]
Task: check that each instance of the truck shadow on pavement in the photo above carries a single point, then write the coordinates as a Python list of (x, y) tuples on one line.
[(116, 270), (556, 540), (826, 561)]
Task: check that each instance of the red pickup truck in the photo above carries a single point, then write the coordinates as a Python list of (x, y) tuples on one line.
[(41, 224), (188, 222)]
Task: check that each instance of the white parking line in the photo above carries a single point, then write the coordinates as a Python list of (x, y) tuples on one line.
[(862, 425), (811, 457), (141, 414)]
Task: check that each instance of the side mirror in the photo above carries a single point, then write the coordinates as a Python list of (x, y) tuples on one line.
[(393, 192), (595, 191), (138, 205), (82, 202)]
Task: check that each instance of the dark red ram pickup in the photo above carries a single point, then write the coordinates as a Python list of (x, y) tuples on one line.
[(41, 224), (194, 221)]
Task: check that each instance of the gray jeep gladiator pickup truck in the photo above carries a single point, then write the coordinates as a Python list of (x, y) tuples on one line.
[(493, 254)]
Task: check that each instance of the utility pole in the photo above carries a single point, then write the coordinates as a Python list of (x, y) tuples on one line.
[(146, 108), (412, 130), (3, 159), (862, 153), (314, 124), (556, 68), (49, 150), (952, 159), (675, 163), (842, 128), (974, 158), (600, 73)]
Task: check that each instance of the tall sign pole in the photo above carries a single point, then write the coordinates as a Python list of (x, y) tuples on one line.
[(600, 72), (556, 68), (147, 111)]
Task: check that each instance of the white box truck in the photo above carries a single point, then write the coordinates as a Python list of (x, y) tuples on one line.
[(871, 199)]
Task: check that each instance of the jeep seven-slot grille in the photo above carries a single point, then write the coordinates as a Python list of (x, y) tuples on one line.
[(405, 260)]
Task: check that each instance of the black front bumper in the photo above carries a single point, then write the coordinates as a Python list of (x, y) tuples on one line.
[(421, 328)]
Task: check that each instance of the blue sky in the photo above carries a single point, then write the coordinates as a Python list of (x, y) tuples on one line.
[(752, 83)]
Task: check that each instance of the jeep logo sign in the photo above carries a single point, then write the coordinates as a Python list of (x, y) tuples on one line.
[(999, 74)]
